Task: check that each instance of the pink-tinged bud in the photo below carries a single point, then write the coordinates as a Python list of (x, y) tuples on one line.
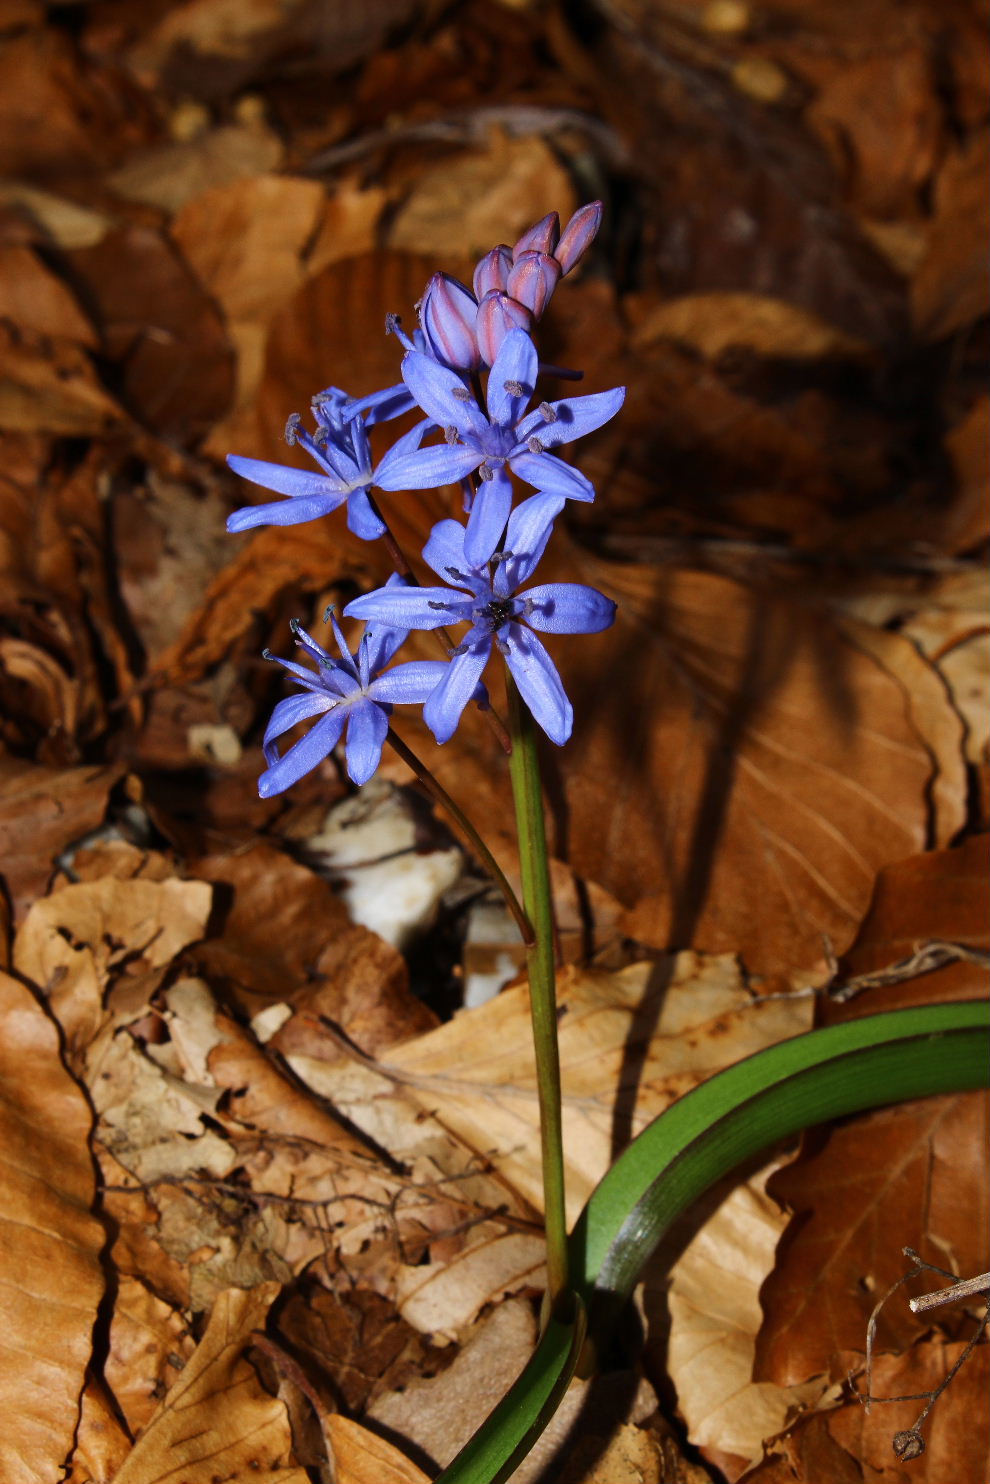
[(447, 314), (497, 315), (541, 238), (533, 279), (578, 235), (493, 271)]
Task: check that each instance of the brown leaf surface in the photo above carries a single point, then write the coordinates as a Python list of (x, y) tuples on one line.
[(910, 1176), (42, 811), (362, 1457), (769, 771), (50, 1243), (217, 1419)]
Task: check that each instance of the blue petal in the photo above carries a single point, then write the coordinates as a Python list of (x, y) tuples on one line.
[(283, 479), (408, 684), (442, 463), (516, 362), (444, 549), (530, 528), (443, 709), (283, 513), (361, 517), (382, 406), (366, 731), (544, 471), (307, 754), (568, 608), (539, 684), (294, 709), (573, 417), (489, 513), (443, 395), (411, 608)]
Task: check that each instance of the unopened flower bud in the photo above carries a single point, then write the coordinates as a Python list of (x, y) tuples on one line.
[(541, 238), (497, 315), (493, 271), (447, 314), (533, 279), (578, 235)]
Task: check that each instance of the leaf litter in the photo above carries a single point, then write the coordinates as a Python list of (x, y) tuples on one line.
[(314, 1194)]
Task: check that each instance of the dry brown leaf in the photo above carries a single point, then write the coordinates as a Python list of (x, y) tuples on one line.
[(467, 204), (768, 766), (102, 1442), (950, 290), (50, 1243), (35, 300), (714, 1305), (73, 943), (623, 1061), (50, 386), (42, 811), (362, 1457), (150, 1342), (715, 323), (217, 1419), (910, 1176), (169, 175)]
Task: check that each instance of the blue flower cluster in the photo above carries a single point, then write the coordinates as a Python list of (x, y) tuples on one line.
[(479, 436)]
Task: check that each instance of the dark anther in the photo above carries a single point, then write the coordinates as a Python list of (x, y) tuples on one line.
[(330, 608), (514, 388), (547, 413), (266, 654), (295, 625), (462, 394), (486, 473), (450, 434), (292, 428), (437, 607), (534, 445), (392, 323)]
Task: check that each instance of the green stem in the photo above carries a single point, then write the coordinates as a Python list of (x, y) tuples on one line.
[(442, 797), (524, 769)]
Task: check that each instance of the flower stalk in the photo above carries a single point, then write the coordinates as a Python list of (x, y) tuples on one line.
[(524, 769)]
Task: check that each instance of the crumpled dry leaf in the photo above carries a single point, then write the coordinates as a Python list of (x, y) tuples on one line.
[(50, 1243), (717, 322), (714, 1306), (42, 811), (909, 1176), (362, 1457), (73, 943), (150, 1343), (217, 1420), (622, 1061)]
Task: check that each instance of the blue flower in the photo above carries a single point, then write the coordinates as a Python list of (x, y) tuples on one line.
[(497, 615), (349, 692), (508, 438), (340, 449)]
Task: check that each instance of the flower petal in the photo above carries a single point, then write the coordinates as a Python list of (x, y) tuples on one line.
[(361, 517), (516, 365), (489, 513), (307, 754), (283, 512), (283, 479), (294, 709), (530, 528), (544, 471), (568, 608), (410, 684), (539, 684), (367, 728), (411, 608), (442, 463), (571, 417), (443, 709), (442, 395), (444, 550)]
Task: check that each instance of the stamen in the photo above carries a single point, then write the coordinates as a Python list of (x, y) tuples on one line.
[(330, 608), (438, 607), (534, 445), (547, 413), (266, 654), (292, 428), (461, 394), (514, 388), (294, 625), (457, 575), (486, 473), (450, 434), (501, 646)]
